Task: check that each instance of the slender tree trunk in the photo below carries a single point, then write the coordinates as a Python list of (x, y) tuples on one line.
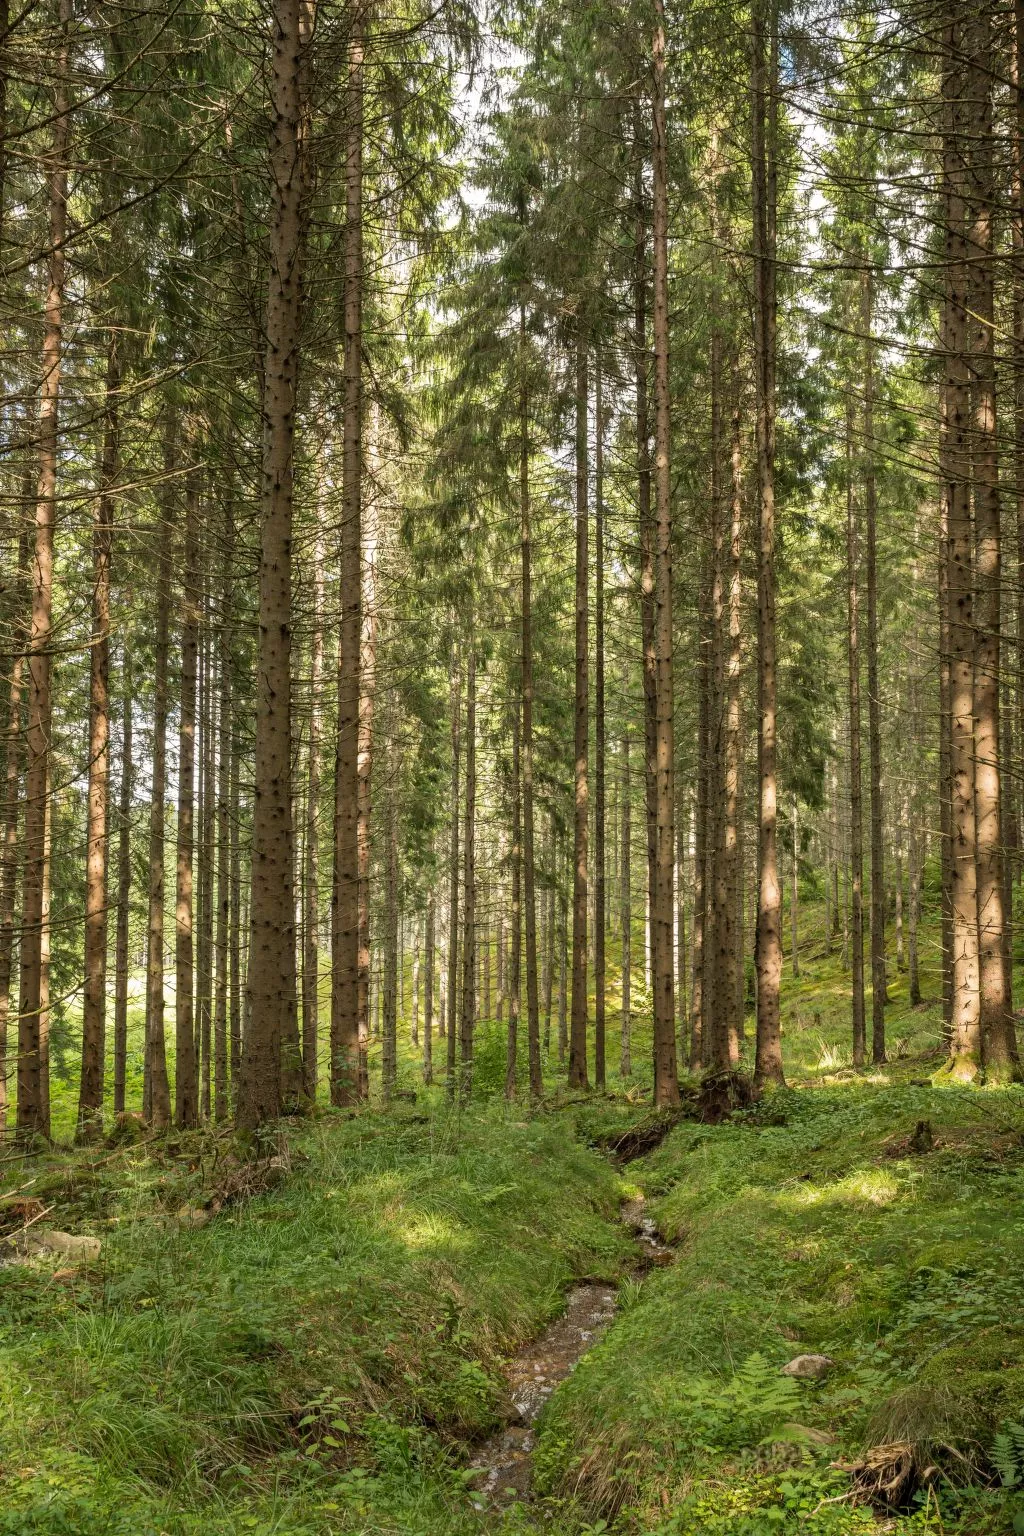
[(94, 998), (367, 694), (33, 1010), (389, 1040), (856, 813), (999, 1044), (9, 847), (682, 994), (186, 1087), (515, 915), (901, 961), (271, 1069), (124, 888), (643, 460), (913, 912), (453, 875), (345, 1068), (600, 899), (220, 1004), (626, 919), (794, 883), (235, 925), (311, 871), (731, 852), (666, 1087), (429, 947), (768, 943), (879, 992), (467, 1023), (207, 823), (965, 1029), (156, 1088), (699, 1036), (578, 1075)]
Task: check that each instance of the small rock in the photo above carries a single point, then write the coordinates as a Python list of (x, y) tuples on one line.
[(192, 1216), (809, 1367), (82, 1249)]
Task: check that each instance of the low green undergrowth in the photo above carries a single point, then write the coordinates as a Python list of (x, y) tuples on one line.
[(826, 1234), (308, 1360)]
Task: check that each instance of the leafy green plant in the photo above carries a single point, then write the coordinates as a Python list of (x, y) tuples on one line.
[(1007, 1454)]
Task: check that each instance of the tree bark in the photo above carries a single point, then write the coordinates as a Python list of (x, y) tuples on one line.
[(94, 997), (429, 948), (270, 1069), (600, 899), (998, 1036), (9, 847), (311, 848), (515, 965), (455, 698), (186, 1087), (879, 991), (33, 1011), (389, 1029), (856, 813), (965, 1028), (156, 1087), (345, 1067), (467, 1022), (768, 943), (578, 1075), (666, 1086), (124, 887), (221, 943), (626, 919)]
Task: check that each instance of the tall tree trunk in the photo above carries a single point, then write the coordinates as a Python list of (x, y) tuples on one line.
[(626, 919), (94, 997), (600, 900), (965, 1028), (515, 965), (643, 469), (156, 1087), (768, 944), (682, 994), (467, 1022), (207, 810), (364, 773), (124, 887), (9, 847), (578, 1076), (235, 924), (221, 943), (666, 1086), (345, 1069), (856, 813), (794, 881), (33, 1010), (311, 849), (879, 992), (186, 1087), (389, 1031), (455, 696), (731, 853), (699, 1035), (270, 1069), (999, 1043), (429, 948)]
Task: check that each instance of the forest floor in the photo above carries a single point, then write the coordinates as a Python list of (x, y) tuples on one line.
[(317, 1343)]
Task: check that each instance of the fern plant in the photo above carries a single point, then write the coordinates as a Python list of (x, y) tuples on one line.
[(1007, 1454)]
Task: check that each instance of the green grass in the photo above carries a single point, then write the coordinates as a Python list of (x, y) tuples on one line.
[(318, 1358), (311, 1359)]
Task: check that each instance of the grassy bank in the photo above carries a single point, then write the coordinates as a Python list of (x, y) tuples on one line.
[(307, 1359)]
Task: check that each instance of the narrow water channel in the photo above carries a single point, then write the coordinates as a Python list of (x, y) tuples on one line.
[(503, 1465)]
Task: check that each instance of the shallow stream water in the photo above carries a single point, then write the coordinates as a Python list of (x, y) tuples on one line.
[(503, 1465)]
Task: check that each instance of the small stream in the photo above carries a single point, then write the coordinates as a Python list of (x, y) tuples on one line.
[(502, 1466)]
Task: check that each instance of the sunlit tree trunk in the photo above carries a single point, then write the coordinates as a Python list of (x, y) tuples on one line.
[(856, 813), (156, 1086), (124, 885), (467, 1021), (33, 1009), (879, 993), (186, 1088)]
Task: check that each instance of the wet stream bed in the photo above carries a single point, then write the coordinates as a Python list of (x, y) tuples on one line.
[(502, 1465)]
